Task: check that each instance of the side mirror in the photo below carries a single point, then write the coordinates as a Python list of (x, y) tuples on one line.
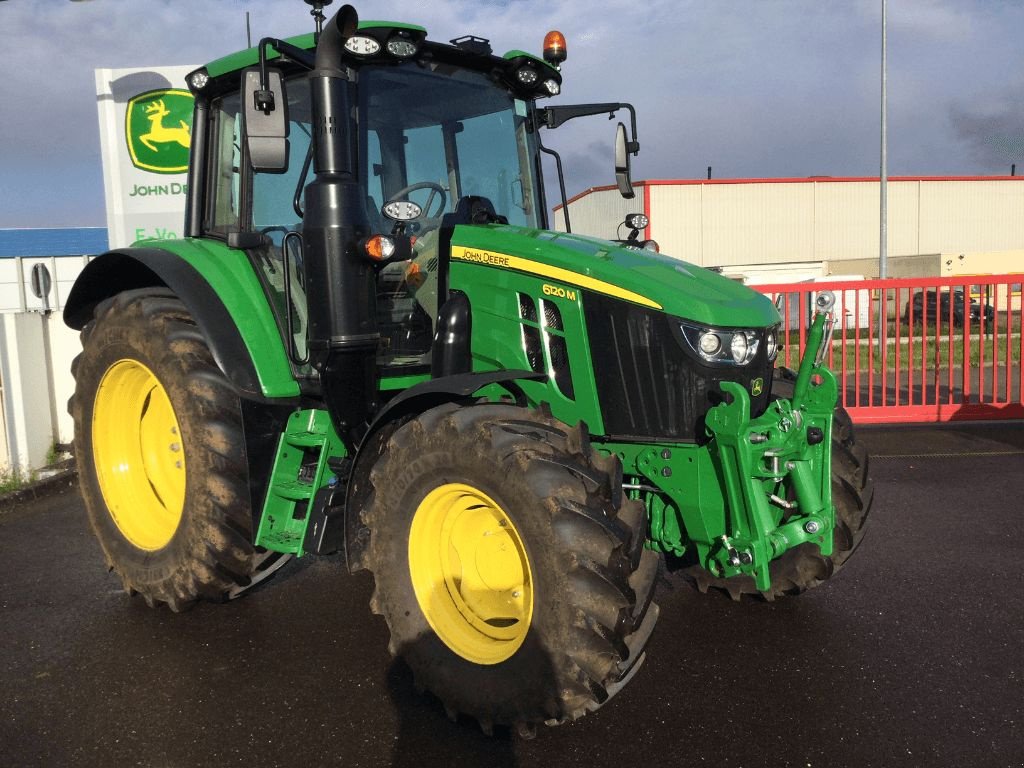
[(622, 178), (265, 121)]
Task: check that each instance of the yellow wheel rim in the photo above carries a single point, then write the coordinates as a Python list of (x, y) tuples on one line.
[(471, 573), (138, 453)]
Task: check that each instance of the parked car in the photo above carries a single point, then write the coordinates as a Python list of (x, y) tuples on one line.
[(922, 307)]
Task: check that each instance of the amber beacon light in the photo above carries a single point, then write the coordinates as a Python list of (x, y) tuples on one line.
[(554, 47)]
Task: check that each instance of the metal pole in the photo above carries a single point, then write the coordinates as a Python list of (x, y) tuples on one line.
[(883, 184), (884, 171), (248, 32)]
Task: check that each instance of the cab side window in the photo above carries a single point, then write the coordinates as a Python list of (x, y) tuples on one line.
[(224, 211)]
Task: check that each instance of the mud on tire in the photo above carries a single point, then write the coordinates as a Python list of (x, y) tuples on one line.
[(581, 543), (208, 554), (803, 567)]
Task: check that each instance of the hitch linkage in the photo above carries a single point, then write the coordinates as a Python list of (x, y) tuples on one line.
[(788, 447)]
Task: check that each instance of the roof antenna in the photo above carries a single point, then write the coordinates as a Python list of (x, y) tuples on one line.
[(318, 15)]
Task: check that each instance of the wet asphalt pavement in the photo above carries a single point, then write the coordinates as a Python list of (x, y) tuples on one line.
[(912, 656)]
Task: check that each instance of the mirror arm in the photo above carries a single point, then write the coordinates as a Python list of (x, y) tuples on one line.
[(554, 117), (264, 96)]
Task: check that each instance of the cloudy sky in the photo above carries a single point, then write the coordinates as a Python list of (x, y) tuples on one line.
[(754, 88)]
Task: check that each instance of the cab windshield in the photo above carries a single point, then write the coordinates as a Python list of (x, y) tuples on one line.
[(433, 135), (447, 131)]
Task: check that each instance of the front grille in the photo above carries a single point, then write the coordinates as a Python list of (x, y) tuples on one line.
[(649, 385)]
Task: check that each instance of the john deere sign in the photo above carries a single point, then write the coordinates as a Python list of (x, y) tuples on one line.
[(158, 129), (145, 133)]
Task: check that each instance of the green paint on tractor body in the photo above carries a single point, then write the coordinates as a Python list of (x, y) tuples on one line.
[(749, 489), (230, 273)]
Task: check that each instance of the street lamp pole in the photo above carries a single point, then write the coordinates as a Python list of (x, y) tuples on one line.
[(884, 171), (883, 184)]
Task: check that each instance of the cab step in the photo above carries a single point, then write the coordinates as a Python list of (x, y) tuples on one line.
[(302, 467)]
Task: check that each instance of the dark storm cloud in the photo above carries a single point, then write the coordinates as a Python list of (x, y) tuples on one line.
[(993, 133)]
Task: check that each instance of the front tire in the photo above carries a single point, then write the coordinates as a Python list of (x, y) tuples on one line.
[(508, 566), (160, 453)]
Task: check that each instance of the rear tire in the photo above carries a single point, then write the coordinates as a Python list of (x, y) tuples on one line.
[(804, 567), (509, 567), (160, 453)]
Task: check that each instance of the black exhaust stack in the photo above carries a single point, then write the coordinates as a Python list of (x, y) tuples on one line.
[(343, 333)]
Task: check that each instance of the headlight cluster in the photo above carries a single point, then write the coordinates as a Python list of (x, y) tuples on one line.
[(401, 42), (528, 73), (529, 76), (729, 346)]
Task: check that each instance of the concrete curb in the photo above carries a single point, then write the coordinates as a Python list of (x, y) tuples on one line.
[(65, 477)]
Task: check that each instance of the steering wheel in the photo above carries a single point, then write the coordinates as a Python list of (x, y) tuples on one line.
[(436, 191)]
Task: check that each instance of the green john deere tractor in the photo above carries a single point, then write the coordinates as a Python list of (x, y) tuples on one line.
[(370, 343)]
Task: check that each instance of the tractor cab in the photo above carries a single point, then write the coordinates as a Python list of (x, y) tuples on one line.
[(431, 124), (428, 130)]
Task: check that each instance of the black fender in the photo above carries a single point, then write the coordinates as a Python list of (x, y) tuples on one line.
[(400, 409), (138, 268)]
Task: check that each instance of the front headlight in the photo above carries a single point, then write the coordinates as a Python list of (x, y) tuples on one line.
[(709, 344), (725, 346), (740, 347)]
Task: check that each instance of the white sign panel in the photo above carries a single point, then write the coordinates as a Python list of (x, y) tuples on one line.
[(145, 135)]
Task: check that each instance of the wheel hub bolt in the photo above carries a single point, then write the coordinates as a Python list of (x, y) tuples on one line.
[(812, 526)]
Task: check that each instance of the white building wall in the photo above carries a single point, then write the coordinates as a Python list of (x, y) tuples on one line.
[(5, 453), (23, 367), (846, 220), (599, 214), (743, 223), (718, 223), (972, 216), (681, 232), (36, 350)]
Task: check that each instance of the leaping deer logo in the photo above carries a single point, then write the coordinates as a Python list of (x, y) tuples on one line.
[(160, 134)]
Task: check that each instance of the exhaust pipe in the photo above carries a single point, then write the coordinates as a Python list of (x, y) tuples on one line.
[(341, 285)]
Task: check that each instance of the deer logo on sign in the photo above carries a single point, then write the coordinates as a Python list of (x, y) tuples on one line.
[(158, 134), (158, 130)]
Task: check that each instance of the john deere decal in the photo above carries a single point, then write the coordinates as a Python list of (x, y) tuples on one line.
[(756, 386), (158, 129)]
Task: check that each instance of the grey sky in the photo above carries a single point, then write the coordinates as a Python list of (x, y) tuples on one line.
[(754, 88)]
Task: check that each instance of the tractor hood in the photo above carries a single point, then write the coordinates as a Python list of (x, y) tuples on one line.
[(642, 277)]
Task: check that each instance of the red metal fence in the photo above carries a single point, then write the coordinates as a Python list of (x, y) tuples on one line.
[(949, 348)]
